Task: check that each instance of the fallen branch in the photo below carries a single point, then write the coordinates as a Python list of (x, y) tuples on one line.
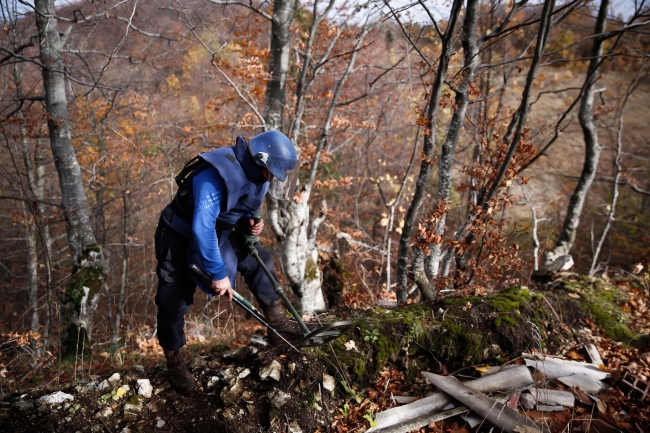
[(491, 410)]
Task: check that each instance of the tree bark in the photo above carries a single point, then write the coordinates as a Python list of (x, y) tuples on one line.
[(121, 297), (291, 221), (592, 146), (425, 165), (82, 292), (512, 138), (448, 151), (283, 11)]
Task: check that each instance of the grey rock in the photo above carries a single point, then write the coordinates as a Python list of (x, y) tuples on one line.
[(144, 388), (259, 342), (271, 370), (228, 414), (294, 427), (115, 379), (125, 430), (24, 405), (328, 382), (228, 374), (160, 423), (56, 398), (238, 353), (103, 386), (246, 396), (492, 350), (88, 388), (133, 408), (213, 381), (230, 395), (278, 398), (198, 362), (104, 413), (244, 373)]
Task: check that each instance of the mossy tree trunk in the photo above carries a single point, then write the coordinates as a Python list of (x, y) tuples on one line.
[(81, 294)]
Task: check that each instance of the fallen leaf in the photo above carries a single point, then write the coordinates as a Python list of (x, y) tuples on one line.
[(574, 295), (573, 354), (602, 406), (351, 345), (483, 369)]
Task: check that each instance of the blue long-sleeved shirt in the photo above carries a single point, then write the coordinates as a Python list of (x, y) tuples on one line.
[(210, 193)]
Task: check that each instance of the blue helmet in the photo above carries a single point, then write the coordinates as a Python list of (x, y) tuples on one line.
[(274, 150)]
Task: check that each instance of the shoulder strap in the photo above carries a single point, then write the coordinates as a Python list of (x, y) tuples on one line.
[(190, 166)]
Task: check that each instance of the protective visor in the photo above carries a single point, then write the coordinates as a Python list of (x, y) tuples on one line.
[(284, 190)]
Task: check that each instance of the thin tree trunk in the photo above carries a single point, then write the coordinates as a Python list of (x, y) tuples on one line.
[(82, 292), (448, 151), (619, 169), (425, 165), (291, 222), (512, 137), (592, 146), (119, 307), (283, 11)]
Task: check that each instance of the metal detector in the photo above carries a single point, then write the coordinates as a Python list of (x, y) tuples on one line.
[(317, 337)]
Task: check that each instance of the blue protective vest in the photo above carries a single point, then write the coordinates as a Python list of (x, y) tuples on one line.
[(242, 195)]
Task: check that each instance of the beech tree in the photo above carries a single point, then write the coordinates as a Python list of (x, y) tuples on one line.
[(587, 118)]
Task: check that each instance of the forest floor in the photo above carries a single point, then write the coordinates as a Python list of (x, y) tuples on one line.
[(339, 387)]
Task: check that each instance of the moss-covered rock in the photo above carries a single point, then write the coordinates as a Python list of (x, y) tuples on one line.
[(462, 331)]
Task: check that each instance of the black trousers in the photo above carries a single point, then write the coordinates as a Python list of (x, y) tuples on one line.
[(176, 287)]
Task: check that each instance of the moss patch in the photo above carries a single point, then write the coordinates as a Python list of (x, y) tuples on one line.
[(602, 301), (311, 270), (84, 285)]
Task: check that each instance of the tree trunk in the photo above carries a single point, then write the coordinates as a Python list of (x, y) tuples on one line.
[(448, 151), (283, 11), (82, 292), (425, 166), (117, 318), (592, 146), (512, 138), (290, 220)]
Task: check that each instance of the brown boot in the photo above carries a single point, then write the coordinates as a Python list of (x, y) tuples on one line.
[(180, 377), (289, 329)]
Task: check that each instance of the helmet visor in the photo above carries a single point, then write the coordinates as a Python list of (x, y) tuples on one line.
[(279, 166), (284, 190)]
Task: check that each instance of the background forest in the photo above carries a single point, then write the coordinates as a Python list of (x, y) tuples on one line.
[(446, 148)]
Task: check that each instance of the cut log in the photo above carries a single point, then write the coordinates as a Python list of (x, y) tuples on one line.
[(585, 383), (472, 419), (543, 408), (594, 355), (496, 413), (403, 399), (554, 368), (424, 411), (553, 397)]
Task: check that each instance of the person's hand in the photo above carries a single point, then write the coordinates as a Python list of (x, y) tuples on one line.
[(222, 287), (255, 229)]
